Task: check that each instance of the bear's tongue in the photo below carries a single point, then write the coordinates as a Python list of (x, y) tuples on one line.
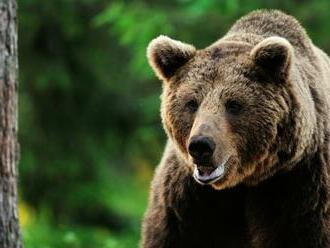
[(209, 175)]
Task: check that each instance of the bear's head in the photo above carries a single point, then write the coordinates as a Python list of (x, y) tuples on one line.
[(230, 109)]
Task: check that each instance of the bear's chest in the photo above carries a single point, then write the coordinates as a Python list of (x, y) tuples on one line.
[(211, 218)]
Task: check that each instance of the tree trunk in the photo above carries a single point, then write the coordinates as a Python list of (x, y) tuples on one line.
[(9, 227)]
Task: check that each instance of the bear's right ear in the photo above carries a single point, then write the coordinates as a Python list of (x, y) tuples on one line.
[(166, 55)]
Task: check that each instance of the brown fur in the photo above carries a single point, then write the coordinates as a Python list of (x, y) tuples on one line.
[(275, 189)]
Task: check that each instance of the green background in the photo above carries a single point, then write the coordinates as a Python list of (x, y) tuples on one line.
[(89, 129)]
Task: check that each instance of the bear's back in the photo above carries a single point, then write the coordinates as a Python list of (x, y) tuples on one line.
[(261, 24)]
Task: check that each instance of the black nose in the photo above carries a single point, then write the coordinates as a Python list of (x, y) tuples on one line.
[(201, 148)]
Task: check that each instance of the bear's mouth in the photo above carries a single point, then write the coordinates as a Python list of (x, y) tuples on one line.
[(210, 176)]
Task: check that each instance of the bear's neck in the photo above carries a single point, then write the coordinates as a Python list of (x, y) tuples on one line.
[(291, 204)]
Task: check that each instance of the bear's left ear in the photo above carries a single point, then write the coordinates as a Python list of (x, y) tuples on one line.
[(274, 55), (166, 56)]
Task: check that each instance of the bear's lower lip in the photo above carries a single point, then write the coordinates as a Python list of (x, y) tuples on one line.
[(212, 176)]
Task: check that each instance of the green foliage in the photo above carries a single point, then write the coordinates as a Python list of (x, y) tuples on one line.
[(44, 233), (90, 130), (135, 24)]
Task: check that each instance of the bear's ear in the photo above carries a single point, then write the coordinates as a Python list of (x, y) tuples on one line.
[(166, 55), (274, 55)]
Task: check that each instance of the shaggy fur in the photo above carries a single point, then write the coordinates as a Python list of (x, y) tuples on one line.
[(275, 188)]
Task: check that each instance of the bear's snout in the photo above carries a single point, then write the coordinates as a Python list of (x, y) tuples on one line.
[(201, 149)]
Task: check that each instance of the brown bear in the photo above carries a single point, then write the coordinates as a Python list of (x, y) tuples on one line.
[(247, 161)]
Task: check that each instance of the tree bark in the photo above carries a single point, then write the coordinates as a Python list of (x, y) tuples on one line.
[(9, 225)]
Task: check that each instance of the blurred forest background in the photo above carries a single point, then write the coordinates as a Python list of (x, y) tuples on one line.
[(90, 130)]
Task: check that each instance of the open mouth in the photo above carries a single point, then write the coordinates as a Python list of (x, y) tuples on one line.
[(210, 176)]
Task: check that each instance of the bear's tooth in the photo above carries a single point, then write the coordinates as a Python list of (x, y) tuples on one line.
[(219, 170)]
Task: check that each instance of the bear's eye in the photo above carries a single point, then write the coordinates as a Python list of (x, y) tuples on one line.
[(233, 107), (192, 106)]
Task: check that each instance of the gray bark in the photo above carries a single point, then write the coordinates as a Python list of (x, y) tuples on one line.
[(9, 225)]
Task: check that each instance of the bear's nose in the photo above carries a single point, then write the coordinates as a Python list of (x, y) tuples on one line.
[(201, 148)]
